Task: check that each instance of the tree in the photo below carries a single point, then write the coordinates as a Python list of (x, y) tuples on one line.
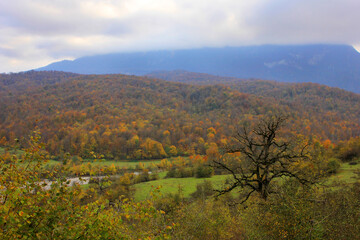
[(28, 210), (257, 157)]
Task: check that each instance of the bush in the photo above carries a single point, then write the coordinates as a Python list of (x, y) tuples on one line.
[(154, 176), (203, 190), (204, 171), (333, 166), (76, 160), (208, 220), (144, 176), (180, 172), (348, 151)]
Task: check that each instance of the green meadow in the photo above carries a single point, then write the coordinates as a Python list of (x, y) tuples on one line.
[(346, 174), (128, 164), (173, 185), (16, 152)]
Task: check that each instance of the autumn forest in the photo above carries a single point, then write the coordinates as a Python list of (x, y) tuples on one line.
[(128, 117), (177, 125)]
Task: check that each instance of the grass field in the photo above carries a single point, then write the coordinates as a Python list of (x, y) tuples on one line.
[(120, 163), (188, 185), (18, 153), (128, 164), (172, 185), (346, 173)]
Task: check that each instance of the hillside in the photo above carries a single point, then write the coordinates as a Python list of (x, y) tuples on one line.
[(332, 65), (31, 79), (295, 95), (133, 117)]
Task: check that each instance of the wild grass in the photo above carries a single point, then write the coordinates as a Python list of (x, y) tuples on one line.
[(17, 152), (185, 186), (346, 174), (128, 164)]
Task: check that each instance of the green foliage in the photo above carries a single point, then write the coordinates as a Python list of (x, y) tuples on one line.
[(182, 172), (76, 160), (171, 185), (203, 190), (340, 213), (347, 174), (333, 166), (28, 210), (348, 151), (204, 171), (105, 210), (144, 176), (289, 214), (295, 212), (208, 220)]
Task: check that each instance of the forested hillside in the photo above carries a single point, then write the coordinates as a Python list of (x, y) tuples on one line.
[(295, 95), (332, 65), (129, 117)]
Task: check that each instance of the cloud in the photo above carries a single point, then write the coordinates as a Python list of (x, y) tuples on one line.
[(308, 21), (34, 33)]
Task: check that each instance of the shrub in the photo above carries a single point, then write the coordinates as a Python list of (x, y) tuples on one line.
[(333, 166), (204, 171), (180, 172), (203, 190)]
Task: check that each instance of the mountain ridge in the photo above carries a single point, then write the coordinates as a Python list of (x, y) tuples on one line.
[(332, 65)]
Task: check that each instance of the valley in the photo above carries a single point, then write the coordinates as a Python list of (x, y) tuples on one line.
[(159, 151)]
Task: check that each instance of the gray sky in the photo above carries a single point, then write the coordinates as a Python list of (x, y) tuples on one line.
[(34, 33)]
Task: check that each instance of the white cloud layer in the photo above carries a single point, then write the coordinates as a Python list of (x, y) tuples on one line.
[(34, 33)]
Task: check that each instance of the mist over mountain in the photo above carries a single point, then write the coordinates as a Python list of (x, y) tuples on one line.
[(332, 65)]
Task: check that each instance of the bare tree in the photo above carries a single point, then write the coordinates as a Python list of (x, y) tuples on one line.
[(263, 158)]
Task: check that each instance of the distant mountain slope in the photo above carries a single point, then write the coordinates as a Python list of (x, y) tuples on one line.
[(295, 95), (194, 78), (124, 116), (332, 65), (25, 80)]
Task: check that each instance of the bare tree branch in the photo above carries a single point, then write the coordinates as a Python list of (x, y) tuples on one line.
[(263, 158)]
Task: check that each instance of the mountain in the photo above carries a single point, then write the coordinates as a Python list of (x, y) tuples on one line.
[(297, 96), (332, 65), (133, 117)]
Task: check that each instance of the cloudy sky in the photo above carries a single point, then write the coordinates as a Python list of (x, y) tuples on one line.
[(34, 33)]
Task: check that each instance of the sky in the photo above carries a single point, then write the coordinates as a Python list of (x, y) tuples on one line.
[(34, 33)]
